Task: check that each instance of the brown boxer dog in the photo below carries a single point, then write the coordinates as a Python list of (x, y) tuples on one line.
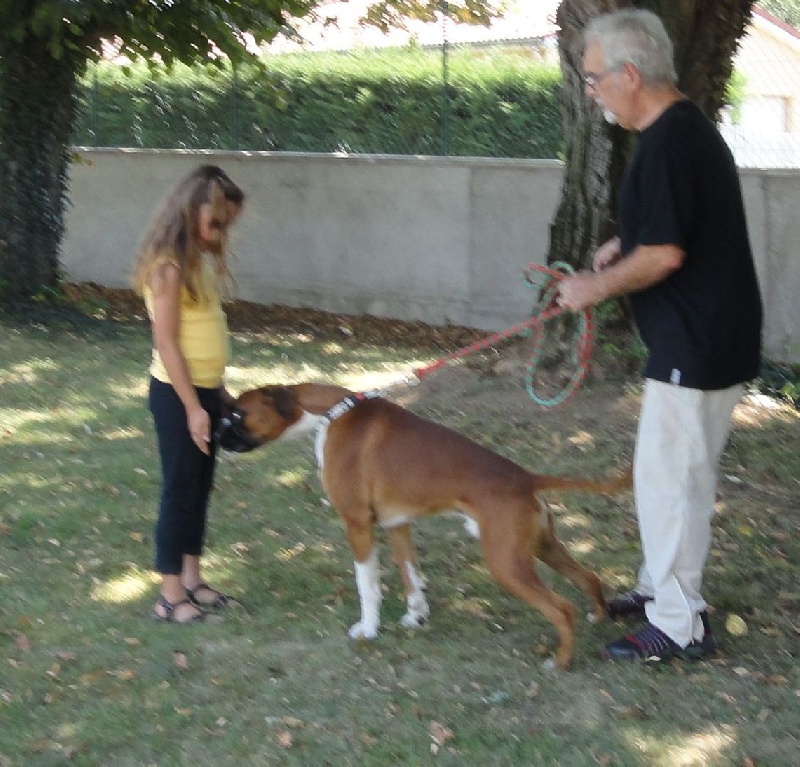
[(381, 464)]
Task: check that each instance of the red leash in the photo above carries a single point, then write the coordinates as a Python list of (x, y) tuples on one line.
[(544, 278)]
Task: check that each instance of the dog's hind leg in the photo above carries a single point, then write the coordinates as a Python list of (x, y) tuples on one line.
[(368, 580), (509, 557), (555, 555), (404, 556), (523, 581)]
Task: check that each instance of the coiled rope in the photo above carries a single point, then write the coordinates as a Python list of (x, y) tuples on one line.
[(544, 279)]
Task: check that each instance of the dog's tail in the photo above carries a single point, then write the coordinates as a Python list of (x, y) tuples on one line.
[(608, 485)]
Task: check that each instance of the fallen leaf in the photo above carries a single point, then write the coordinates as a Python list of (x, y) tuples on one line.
[(439, 733), (23, 643), (740, 671), (772, 680), (629, 712), (37, 746), (735, 625), (284, 739), (93, 676), (368, 740), (180, 660)]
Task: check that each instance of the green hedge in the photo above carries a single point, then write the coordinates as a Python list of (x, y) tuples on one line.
[(496, 103)]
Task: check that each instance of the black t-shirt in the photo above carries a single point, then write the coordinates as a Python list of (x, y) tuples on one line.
[(702, 324)]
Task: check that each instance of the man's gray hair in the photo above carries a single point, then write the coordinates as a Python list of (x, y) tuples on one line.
[(635, 36)]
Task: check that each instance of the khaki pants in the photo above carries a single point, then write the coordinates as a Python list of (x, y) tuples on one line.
[(680, 439)]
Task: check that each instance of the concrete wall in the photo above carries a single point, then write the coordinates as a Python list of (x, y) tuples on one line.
[(442, 240)]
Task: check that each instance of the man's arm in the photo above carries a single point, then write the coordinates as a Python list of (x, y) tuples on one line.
[(644, 266)]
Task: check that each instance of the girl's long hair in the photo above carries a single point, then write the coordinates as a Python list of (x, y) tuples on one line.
[(173, 234)]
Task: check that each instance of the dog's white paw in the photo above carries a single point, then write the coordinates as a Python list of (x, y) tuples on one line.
[(549, 665), (413, 620), (591, 618), (362, 631)]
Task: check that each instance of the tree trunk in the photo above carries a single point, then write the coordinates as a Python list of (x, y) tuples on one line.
[(706, 35), (37, 110)]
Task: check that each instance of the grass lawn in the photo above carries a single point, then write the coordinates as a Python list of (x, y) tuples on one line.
[(87, 677)]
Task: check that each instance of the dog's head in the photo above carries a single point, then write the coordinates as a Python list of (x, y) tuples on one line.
[(258, 416)]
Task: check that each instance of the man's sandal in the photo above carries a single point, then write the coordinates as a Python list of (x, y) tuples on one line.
[(219, 600), (169, 608)]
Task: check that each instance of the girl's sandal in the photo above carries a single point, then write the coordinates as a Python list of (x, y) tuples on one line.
[(169, 608), (219, 600)]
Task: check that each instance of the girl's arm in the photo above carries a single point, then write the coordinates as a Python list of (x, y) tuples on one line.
[(166, 286)]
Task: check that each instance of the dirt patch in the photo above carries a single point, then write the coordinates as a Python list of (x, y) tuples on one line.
[(125, 306)]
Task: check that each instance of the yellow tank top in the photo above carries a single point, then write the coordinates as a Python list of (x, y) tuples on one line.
[(202, 335)]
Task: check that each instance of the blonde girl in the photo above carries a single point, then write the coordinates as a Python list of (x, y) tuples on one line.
[(181, 272)]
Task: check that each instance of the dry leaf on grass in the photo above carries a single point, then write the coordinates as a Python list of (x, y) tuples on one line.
[(735, 625), (439, 735), (630, 712), (771, 680), (284, 739)]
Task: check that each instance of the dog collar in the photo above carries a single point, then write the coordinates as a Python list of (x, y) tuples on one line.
[(337, 411), (348, 403)]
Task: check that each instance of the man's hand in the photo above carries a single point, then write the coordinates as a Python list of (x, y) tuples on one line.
[(608, 253), (581, 291)]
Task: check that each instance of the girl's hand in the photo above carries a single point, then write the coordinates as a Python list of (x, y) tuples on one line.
[(199, 428)]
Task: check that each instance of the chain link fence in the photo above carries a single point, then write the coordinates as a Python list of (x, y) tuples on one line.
[(442, 91)]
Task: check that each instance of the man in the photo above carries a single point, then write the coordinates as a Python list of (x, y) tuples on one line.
[(683, 256)]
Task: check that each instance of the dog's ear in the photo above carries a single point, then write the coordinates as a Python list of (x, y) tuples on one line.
[(284, 401)]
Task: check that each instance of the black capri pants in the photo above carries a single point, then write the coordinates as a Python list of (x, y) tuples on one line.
[(187, 476)]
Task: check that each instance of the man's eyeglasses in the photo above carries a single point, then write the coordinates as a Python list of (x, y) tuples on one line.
[(591, 79)]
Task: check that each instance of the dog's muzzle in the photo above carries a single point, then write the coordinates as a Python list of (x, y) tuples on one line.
[(231, 434)]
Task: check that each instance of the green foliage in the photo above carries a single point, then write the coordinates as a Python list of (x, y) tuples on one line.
[(735, 92), (45, 47), (780, 380), (385, 102), (176, 31)]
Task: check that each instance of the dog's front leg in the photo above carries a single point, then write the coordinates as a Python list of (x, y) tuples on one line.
[(368, 582), (417, 610)]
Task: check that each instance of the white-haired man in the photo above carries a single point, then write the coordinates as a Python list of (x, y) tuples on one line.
[(683, 256)]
